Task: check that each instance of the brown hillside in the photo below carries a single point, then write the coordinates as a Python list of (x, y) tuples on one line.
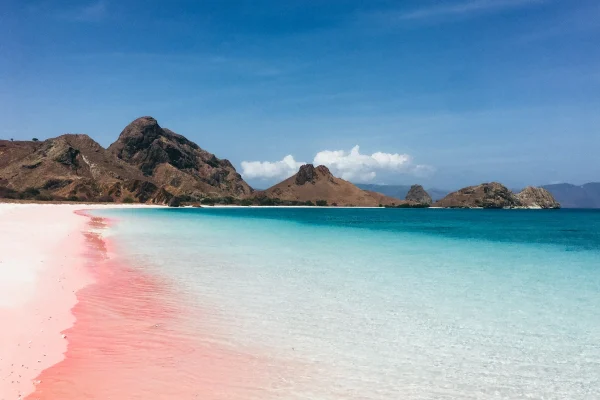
[(313, 184), (71, 166), (147, 163)]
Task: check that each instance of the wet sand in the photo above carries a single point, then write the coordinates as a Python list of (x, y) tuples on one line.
[(133, 339)]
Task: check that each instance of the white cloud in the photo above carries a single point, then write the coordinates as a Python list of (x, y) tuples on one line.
[(352, 165), (270, 170)]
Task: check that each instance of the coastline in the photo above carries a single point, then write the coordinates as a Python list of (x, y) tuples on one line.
[(42, 267), (83, 322), (58, 277)]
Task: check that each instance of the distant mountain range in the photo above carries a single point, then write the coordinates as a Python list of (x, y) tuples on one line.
[(400, 191), (573, 196)]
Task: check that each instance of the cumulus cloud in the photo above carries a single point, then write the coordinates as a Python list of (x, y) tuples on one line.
[(270, 170), (350, 165), (354, 166)]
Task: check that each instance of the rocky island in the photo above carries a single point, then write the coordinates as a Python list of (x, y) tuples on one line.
[(496, 195), (418, 195)]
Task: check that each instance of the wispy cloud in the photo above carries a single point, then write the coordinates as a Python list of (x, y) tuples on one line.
[(90, 12), (582, 21), (461, 9)]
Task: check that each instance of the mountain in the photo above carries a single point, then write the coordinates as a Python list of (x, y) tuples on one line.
[(400, 191), (147, 164), (572, 196), (496, 195), (175, 163), (318, 184), (418, 195)]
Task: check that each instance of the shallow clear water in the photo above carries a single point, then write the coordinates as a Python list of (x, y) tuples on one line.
[(388, 304)]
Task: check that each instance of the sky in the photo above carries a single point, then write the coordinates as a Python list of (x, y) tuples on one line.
[(437, 92)]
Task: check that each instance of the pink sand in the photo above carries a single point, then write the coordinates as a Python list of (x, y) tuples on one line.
[(128, 334), (40, 270), (132, 340)]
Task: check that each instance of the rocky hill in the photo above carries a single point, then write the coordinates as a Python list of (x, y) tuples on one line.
[(175, 163), (146, 164), (496, 195), (418, 195), (317, 184), (534, 197), (400, 191)]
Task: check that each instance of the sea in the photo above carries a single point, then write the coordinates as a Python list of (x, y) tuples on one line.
[(328, 303)]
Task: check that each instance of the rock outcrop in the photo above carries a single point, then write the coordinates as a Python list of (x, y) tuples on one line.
[(496, 195), (317, 184), (418, 195), (535, 197)]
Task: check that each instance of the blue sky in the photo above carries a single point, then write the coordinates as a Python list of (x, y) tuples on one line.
[(444, 93)]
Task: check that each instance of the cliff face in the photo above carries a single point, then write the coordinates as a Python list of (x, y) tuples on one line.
[(533, 197), (418, 195), (495, 195), (176, 163), (317, 183)]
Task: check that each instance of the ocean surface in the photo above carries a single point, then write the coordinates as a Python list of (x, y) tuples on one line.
[(322, 303)]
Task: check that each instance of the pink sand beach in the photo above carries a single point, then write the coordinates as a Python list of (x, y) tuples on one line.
[(41, 269), (78, 323)]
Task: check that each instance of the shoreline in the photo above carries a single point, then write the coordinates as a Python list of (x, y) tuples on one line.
[(89, 323), (137, 336), (42, 269)]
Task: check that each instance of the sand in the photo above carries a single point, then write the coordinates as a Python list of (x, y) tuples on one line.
[(78, 323), (42, 268)]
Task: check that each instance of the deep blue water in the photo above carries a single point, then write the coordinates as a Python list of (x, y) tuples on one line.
[(573, 229)]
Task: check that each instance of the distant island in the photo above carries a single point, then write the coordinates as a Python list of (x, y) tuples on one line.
[(496, 195), (401, 191), (151, 164)]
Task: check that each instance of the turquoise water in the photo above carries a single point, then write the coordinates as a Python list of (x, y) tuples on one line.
[(390, 303)]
